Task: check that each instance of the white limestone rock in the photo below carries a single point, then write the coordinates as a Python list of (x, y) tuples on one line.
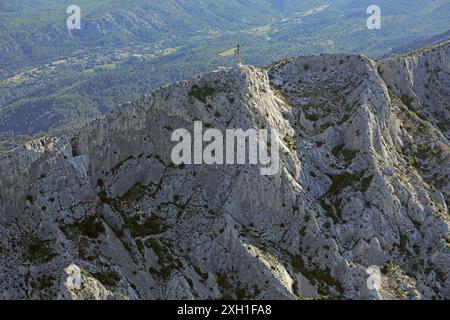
[(363, 181)]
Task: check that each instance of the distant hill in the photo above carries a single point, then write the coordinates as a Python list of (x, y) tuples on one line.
[(421, 43)]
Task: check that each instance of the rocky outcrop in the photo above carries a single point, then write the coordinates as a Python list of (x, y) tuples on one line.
[(363, 182)]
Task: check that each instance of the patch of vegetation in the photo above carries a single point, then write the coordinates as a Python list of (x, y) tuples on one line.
[(423, 152), (303, 231), (306, 67), (224, 286), (422, 117), (307, 218), (75, 151), (241, 293), (342, 181), (38, 251), (365, 183), (447, 240), (101, 183), (84, 272), (316, 276), (108, 66), (345, 154), (165, 259), (380, 71), (388, 267), (104, 198), (319, 144), (116, 168), (201, 93), (410, 161), (43, 282), (443, 125), (222, 281), (135, 193), (92, 227), (151, 226), (312, 117), (109, 279), (330, 211), (400, 293), (203, 275), (407, 101), (403, 243), (332, 207)]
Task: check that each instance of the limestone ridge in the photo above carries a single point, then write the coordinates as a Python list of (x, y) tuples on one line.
[(364, 182)]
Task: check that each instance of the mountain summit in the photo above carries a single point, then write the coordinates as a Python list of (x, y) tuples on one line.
[(363, 186)]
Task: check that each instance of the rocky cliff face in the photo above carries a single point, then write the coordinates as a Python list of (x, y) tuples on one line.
[(363, 182)]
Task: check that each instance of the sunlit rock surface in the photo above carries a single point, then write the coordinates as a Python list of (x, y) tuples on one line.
[(363, 182)]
